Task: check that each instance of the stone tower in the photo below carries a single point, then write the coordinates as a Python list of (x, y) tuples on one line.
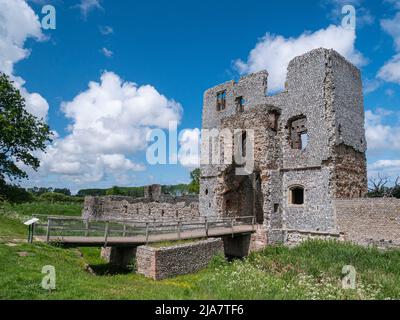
[(309, 146)]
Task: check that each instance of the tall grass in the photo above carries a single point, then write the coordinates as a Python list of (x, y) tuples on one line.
[(43, 208), (312, 270)]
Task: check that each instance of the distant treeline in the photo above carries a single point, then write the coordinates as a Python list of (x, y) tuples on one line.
[(135, 192), (17, 194)]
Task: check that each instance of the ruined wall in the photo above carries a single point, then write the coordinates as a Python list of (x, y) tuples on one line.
[(161, 263), (317, 211), (349, 178), (369, 221), (119, 207), (318, 143)]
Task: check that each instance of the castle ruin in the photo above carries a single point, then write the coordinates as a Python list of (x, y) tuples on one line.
[(309, 177)]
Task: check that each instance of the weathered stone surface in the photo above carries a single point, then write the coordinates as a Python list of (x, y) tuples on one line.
[(369, 221), (143, 209), (309, 151), (161, 263), (322, 104)]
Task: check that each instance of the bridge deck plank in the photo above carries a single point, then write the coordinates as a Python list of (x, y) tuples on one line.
[(140, 239)]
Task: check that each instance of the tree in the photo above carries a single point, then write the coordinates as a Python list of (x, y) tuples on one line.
[(14, 194), (194, 186), (63, 191), (21, 133), (114, 191), (379, 189)]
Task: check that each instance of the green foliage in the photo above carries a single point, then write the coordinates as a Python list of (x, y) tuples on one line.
[(58, 197), (63, 191), (44, 208), (20, 133), (37, 191), (138, 192), (13, 193), (114, 191), (194, 186), (312, 270)]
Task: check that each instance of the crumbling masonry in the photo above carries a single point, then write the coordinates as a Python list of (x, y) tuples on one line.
[(309, 148), (309, 177)]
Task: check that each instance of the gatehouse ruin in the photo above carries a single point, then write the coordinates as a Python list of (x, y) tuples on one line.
[(309, 177)]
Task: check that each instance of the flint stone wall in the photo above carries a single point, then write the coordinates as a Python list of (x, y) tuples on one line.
[(120, 207), (369, 221), (162, 263)]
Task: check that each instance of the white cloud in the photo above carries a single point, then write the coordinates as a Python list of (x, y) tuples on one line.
[(85, 6), (390, 92), (363, 15), (385, 168), (18, 22), (392, 27), (109, 125), (189, 155), (106, 30), (390, 72), (274, 52), (107, 53), (370, 85), (394, 3), (381, 136)]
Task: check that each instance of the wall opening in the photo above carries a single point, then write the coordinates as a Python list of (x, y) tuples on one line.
[(239, 103), (296, 195), (221, 100), (298, 133), (244, 142)]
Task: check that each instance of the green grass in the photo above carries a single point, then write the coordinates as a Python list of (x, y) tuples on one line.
[(310, 271), (173, 243), (43, 208)]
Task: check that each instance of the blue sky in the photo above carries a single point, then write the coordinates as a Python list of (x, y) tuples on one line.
[(173, 51)]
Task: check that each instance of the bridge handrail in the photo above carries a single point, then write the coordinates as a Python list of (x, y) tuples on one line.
[(205, 223)]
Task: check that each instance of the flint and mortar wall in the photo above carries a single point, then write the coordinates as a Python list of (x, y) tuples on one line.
[(369, 221), (324, 88), (161, 263), (119, 207)]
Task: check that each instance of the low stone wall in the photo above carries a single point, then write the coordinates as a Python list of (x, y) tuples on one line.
[(120, 207), (295, 237), (161, 263), (369, 221)]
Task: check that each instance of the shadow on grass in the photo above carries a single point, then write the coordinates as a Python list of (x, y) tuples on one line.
[(108, 269)]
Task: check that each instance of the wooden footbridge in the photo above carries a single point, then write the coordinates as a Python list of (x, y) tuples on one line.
[(117, 232)]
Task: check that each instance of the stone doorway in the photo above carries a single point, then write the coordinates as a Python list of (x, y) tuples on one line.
[(241, 196)]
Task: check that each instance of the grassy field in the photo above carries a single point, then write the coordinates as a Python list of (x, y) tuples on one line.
[(43, 208), (310, 271)]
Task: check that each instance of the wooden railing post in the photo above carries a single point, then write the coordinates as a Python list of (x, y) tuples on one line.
[(124, 230), (206, 225), (48, 230), (106, 234), (232, 222), (253, 222), (179, 229), (86, 228), (147, 232)]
